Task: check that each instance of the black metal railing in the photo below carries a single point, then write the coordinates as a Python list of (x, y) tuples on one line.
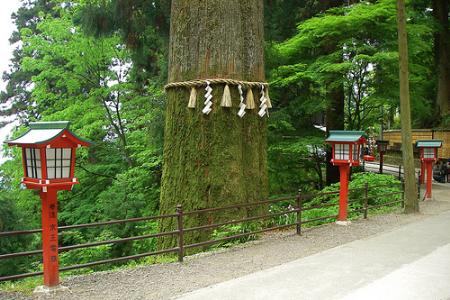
[(301, 203)]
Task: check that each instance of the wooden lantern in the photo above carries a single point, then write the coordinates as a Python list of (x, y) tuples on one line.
[(346, 153), (48, 158)]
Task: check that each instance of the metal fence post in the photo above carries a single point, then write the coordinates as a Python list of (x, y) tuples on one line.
[(366, 199), (399, 172), (299, 212), (180, 233)]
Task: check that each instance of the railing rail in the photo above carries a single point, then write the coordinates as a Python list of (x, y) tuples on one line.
[(297, 208)]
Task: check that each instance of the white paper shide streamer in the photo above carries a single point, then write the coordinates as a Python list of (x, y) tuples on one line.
[(208, 103), (242, 106), (263, 108)]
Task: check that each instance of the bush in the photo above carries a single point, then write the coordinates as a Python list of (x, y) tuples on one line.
[(380, 190)]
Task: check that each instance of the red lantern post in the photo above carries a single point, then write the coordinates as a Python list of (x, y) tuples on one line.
[(428, 155), (48, 152), (346, 153)]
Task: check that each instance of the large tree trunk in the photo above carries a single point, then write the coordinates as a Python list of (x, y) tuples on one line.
[(334, 121), (217, 159), (335, 110), (411, 200), (442, 49)]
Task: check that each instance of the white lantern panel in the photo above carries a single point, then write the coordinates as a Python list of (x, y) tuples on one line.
[(66, 153), (29, 171), (428, 153), (50, 153), (342, 152), (33, 163), (58, 162), (66, 172), (355, 153), (50, 173)]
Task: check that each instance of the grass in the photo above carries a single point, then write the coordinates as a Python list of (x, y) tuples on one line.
[(27, 285)]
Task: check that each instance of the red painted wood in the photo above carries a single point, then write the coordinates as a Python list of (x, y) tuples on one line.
[(72, 163), (369, 157), (43, 163), (50, 236), (24, 163), (343, 192), (429, 178)]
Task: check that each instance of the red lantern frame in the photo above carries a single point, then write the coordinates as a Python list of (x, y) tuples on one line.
[(43, 136)]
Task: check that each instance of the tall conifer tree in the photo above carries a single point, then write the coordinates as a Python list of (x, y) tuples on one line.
[(217, 159)]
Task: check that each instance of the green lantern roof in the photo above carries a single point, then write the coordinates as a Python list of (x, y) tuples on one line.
[(346, 136), (44, 132), (429, 144)]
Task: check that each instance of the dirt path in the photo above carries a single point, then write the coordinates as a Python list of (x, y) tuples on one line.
[(167, 281)]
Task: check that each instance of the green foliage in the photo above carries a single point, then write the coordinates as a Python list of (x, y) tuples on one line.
[(235, 229), (90, 82), (284, 219), (380, 190), (295, 163), (101, 65), (363, 59)]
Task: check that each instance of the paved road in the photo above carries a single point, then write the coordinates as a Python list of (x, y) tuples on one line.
[(410, 262), (387, 169)]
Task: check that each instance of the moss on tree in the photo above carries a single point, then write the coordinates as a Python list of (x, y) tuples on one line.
[(217, 159)]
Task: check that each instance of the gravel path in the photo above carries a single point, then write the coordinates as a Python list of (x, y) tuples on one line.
[(167, 281)]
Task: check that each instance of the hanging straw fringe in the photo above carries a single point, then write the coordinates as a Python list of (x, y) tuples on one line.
[(226, 98), (192, 98), (250, 101), (268, 102)]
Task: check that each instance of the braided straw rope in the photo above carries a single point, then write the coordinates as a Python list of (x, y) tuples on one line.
[(200, 82)]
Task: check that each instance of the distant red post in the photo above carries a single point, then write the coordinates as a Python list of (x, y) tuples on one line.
[(429, 166), (428, 155)]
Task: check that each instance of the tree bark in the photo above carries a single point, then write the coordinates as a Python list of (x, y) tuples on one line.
[(217, 159), (335, 111), (442, 49), (411, 200), (334, 121)]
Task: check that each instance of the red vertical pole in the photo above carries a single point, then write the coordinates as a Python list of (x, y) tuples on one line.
[(343, 193), (429, 179), (50, 236)]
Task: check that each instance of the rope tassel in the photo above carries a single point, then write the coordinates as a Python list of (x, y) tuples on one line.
[(250, 100), (226, 98), (268, 102), (192, 98)]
